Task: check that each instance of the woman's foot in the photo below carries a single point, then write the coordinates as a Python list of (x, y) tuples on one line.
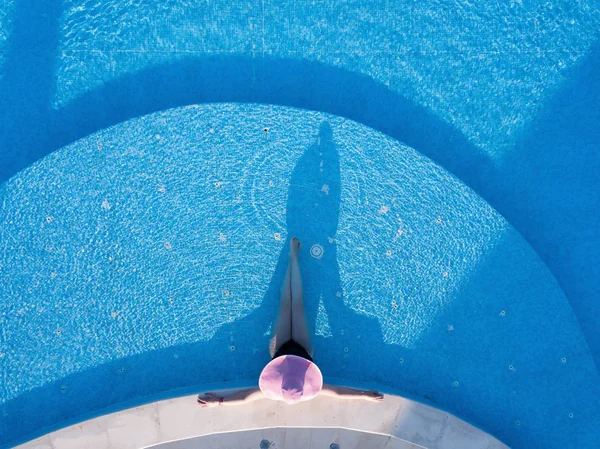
[(294, 247)]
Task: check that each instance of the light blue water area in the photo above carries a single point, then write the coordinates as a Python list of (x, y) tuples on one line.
[(148, 258), (6, 14), (502, 94)]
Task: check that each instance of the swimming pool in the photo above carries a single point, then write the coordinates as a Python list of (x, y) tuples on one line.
[(143, 242)]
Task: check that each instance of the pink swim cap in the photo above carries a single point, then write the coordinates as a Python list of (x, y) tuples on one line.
[(291, 379)]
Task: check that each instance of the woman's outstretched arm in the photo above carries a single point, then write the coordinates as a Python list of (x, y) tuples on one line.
[(229, 397), (351, 393)]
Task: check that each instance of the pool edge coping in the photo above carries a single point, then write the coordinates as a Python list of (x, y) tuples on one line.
[(180, 418)]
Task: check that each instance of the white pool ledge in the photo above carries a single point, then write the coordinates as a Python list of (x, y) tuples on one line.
[(179, 423)]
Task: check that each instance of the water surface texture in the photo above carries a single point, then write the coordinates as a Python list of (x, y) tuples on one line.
[(503, 95)]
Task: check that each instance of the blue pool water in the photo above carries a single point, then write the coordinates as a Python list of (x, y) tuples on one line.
[(444, 155)]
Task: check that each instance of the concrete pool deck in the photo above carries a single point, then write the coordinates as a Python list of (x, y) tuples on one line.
[(397, 423)]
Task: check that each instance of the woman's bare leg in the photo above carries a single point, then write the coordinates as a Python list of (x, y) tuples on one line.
[(300, 333), (282, 331)]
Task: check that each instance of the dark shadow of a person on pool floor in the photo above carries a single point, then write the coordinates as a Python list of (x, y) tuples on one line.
[(312, 213)]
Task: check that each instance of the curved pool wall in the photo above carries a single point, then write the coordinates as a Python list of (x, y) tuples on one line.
[(504, 95), (147, 258)]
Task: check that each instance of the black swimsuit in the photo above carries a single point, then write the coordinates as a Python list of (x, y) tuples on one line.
[(291, 347)]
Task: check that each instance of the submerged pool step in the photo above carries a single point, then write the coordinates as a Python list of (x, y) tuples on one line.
[(148, 257)]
